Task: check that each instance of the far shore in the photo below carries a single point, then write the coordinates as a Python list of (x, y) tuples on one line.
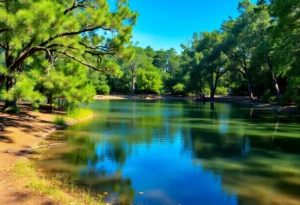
[(256, 104)]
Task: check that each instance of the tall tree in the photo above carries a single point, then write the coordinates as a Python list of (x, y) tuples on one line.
[(65, 29)]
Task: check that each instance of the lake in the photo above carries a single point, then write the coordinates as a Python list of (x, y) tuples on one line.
[(181, 152)]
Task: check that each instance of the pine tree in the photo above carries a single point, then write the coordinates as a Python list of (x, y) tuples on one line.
[(85, 31)]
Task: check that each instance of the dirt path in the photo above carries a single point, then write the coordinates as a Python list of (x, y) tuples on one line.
[(19, 132)]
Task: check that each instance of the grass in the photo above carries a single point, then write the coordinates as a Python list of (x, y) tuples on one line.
[(59, 120), (79, 113), (56, 188)]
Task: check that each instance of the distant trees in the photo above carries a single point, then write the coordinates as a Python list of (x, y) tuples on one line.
[(259, 50)]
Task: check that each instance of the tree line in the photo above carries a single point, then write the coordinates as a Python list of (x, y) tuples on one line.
[(255, 54), (51, 50)]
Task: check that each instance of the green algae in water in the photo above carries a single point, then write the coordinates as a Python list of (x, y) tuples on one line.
[(182, 152)]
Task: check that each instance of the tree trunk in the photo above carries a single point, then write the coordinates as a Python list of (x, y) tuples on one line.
[(2, 79), (133, 84), (276, 87), (249, 88), (212, 86), (274, 80), (10, 82), (50, 102)]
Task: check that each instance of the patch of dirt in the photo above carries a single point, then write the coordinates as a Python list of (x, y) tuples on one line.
[(17, 132)]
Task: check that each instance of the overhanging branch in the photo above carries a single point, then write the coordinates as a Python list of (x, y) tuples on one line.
[(77, 59)]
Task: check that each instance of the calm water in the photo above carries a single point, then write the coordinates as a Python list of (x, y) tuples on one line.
[(182, 153)]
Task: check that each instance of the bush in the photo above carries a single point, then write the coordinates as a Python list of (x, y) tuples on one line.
[(178, 89), (285, 99), (103, 89), (79, 113), (59, 121), (206, 91), (13, 110), (293, 90), (221, 91), (268, 97), (238, 89)]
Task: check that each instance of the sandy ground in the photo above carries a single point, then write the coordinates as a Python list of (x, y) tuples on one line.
[(19, 132)]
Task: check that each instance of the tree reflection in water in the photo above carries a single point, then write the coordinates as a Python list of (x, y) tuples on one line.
[(133, 145)]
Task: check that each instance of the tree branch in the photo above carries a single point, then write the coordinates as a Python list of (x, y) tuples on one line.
[(77, 59), (86, 29), (75, 5)]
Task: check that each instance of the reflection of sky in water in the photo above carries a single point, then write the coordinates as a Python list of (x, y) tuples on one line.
[(166, 175), (185, 152)]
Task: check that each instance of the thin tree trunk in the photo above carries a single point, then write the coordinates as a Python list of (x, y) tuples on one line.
[(274, 80), (133, 84), (212, 93), (249, 88), (50, 102)]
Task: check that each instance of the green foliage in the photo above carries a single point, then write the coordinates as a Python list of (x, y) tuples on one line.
[(221, 91), (285, 99), (268, 97), (178, 89), (103, 89), (13, 110), (206, 90), (59, 120), (79, 113), (149, 81), (48, 46), (294, 90), (24, 89)]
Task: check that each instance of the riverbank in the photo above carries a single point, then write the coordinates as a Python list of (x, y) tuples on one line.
[(256, 104), (21, 132)]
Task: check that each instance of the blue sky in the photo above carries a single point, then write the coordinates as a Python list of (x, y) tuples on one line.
[(165, 24)]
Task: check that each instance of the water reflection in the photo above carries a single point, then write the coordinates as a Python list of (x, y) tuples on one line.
[(183, 153)]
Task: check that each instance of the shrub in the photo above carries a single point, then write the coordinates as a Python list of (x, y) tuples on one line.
[(79, 113), (268, 97), (178, 89), (293, 90), (103, 89), (206, 91), (13, 110), (59, 121), (285, 99), (221, 91)]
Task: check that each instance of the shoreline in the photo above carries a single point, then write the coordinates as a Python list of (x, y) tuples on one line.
[(18, 133), (243, 100)]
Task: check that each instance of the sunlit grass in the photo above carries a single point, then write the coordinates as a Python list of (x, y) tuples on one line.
[(60, 120), (57, 188), (79, 113)]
